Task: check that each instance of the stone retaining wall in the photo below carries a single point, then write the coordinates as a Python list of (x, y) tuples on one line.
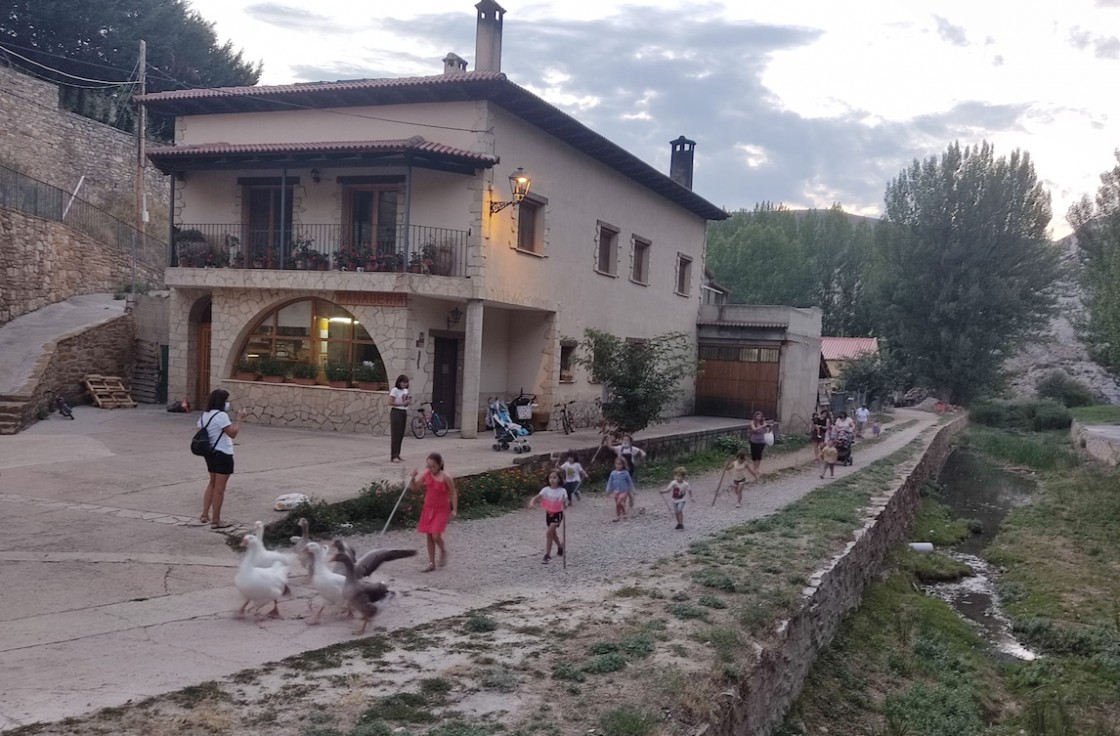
[(44, 262), (105, 349), (311, 407), (1100, 443), (768, 691), (58, 147)]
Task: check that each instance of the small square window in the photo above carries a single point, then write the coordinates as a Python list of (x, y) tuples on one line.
[(684, 274), (567, 370), (639, 267), (606, 250), (530, 226)]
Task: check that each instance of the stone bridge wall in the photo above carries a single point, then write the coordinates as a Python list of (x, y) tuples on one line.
[(774, 684)]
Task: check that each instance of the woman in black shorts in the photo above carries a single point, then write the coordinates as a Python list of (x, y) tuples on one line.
[(756, 435), (219, 462)]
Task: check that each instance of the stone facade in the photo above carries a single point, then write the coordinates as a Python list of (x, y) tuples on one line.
[(771, 687), (59, 147), (312, 407), (105, 349), (43, 262)]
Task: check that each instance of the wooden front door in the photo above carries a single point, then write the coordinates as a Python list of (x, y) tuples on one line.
[(202, 367), (446, 377)]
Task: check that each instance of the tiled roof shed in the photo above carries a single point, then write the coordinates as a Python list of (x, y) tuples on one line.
[(847, 348)]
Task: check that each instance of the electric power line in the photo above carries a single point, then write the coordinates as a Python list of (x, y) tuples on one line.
[(67, 58), (105, 82)]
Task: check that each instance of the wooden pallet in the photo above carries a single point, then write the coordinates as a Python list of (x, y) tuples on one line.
[(108, 392)]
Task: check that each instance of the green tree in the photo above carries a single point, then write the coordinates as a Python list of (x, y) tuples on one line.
[(965, 269), (1097, 227), (642, 378), (100, 41), (873, 374), (814, 258)]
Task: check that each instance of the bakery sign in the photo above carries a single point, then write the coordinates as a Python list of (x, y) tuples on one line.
[(371, 298)]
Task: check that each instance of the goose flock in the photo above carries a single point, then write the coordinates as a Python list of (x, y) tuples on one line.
[(336, 573)]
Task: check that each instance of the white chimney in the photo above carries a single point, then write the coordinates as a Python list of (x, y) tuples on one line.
[(488, 37), (454, 64)]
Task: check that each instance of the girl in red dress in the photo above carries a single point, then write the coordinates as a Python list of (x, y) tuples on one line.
[(441, 502)]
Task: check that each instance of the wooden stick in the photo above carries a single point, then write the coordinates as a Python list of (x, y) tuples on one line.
[(720, 484), (564, 533)]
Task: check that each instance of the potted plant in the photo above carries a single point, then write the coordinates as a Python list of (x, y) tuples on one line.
[(441, 258), (417, 263), (246, 370), (194, 254), (390, 261), (304, 374), (370, 376), (338, 375), (272, 370)]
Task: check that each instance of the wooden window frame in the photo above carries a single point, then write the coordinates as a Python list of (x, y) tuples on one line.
[(605, 229), (640, 245), (684, 262), (539, 206)]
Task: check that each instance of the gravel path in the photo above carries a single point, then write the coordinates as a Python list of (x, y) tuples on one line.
[(501, 556)]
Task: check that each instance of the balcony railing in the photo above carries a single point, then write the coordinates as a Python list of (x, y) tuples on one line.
[(430, 250)]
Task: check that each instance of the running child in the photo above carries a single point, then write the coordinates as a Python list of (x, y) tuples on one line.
[(553, 499), (573, 475), (739, 467), (620, 485), (829, 455), (678, 488)]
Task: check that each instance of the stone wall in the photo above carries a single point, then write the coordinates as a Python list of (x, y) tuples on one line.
[(1102, 443), (58, 147), (311, 407), (43, 262), (105, 349), (771, 687)]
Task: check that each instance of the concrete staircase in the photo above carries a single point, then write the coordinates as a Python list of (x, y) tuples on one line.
[(11, 414)]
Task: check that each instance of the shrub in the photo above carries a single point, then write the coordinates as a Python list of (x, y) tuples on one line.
[(338, 371), (304, 370), (1065, 390), (1035, 415)]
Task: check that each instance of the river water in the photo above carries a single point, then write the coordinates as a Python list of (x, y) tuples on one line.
[(974, 488)]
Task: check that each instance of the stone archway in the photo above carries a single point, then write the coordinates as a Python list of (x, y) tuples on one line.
[(198, 361)]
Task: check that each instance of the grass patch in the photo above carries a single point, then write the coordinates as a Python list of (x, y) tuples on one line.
[(604, 663), (933, 567), (710, 601), (401, 708), (479, 624), (1038, 450), (1104, 414), (627, 722), (567, 671), (686, 611), (193, 695), (934, 523)]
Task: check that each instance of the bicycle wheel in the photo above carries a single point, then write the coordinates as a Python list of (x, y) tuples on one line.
[(418, 427), (439, 425), (566, 422)]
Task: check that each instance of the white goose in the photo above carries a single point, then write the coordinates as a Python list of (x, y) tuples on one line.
[(259, 585), (262, 556), (326, 581), (299, 544)]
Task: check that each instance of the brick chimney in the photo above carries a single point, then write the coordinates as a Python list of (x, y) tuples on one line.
[(680, 165), (488, 37), (454, 64)]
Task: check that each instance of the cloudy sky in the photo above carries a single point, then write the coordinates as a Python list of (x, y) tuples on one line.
[(805, 103)]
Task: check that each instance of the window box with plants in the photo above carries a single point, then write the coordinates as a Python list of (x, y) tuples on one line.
[(272, 370), (304, 374), (246, 370), (371, 377), (338, 375)]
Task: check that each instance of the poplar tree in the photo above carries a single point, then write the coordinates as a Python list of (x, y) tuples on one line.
[(966, 271), (1096, 223)]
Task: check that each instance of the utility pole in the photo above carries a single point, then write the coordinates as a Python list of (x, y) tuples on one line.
[(141, 124)]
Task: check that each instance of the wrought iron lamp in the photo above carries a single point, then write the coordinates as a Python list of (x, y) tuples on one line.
[(453, 317), (519, 183)]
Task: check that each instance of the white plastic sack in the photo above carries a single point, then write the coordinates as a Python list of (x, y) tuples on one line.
[(768, 438), (289, 501)]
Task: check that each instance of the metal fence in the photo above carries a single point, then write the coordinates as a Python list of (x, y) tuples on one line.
[(421, 249), (21, 192)]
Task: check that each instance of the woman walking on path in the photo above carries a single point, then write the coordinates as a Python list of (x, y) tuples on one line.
[(573, 474), (441, 502), (620, 485), (818, 429), (756, 435), (219, 463), (553, 499), (399, 400)]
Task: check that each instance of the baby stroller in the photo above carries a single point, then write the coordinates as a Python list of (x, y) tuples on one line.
[(506, 431), (844, 440), (522, 408)]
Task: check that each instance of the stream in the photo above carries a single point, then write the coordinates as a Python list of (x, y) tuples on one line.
[(974, 488)]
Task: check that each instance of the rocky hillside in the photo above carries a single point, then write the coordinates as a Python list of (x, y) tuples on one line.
[(1060, 346)]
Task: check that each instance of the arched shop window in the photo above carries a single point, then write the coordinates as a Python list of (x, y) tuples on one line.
[(311, 332)]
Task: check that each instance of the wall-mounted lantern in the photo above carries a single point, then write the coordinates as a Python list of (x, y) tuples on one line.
[(519, 183)]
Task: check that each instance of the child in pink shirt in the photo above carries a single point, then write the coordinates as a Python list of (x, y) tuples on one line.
[(553, 499)]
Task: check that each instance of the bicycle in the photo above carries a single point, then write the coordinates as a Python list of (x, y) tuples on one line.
[(63, 408), (566, 422), (434, 421)]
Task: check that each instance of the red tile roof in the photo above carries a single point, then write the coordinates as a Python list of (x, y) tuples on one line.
[(416, 144), (846, 348)]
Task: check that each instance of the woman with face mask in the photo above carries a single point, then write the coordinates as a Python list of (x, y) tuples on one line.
[(219, 462)]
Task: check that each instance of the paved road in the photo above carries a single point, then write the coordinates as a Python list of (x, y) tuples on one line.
[(109, 596)]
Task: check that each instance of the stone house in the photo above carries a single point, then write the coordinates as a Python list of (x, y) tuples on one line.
[(455, 228)]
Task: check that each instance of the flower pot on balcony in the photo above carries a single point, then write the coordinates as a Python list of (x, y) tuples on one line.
[(442, 261), (367, 385), (245, 376), (302, 381), (415, 268), (339, 384), (272, 379), (323, 265)]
